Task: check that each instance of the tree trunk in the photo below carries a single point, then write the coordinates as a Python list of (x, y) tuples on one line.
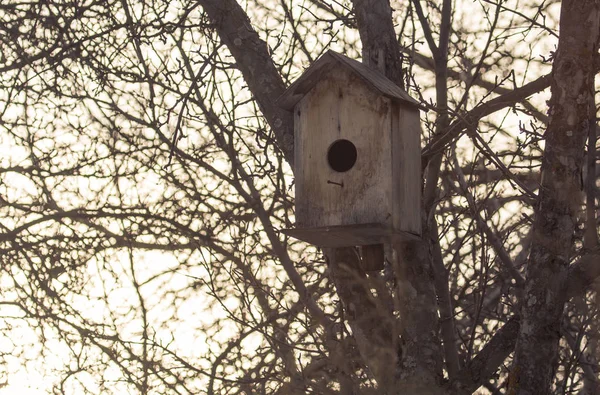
[(417, 368), (560, 199)]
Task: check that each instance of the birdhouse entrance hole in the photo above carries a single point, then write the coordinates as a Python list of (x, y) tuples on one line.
[(341, 155)]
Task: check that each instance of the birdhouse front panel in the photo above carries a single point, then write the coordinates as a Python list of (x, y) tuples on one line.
[(343, 153)]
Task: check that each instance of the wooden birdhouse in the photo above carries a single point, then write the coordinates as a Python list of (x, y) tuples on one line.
[(357, 155)]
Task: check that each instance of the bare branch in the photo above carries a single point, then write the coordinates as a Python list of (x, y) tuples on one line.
[(252, 57)]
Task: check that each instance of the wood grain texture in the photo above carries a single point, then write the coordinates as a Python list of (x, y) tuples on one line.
[(406, 159), (331, 60), (350, 235), (342, 106), (383, 187)]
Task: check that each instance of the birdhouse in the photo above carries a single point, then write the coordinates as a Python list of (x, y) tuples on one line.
[(357, 155)]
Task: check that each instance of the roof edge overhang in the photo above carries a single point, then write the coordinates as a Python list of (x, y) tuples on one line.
[(322, 66)]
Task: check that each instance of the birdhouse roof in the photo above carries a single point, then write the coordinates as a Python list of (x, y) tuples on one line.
[(322, 66)]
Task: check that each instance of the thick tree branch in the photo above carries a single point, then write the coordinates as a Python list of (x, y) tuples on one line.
[(253, 59), (430, 194), (560, 198), (380, 45), (590, 239), (373, 329), (421, 358), (501, 253), (446, 307), (428, 64), (471, 118), (481, 368), (420, 363)]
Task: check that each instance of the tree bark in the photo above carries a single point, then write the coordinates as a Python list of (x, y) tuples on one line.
[(421, 359), (374, 330), (253, 59), (418, 367), (430, 194), (481, 368), (380, 45), (560, 199)]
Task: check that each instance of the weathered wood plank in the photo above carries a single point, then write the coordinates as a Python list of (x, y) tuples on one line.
[(343, 107), (350, 235), (406, 159), (357, 154)]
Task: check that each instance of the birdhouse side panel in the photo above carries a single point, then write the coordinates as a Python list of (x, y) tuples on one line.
[(343, 154), (406, 157)]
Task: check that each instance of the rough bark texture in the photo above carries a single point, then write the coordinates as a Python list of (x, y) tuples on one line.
[(372, 328), (560, 199), (253, 59), (421, 360), (481, 368), (380, 45)]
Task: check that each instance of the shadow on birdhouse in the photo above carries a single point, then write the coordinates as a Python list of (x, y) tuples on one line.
[(357, 155)]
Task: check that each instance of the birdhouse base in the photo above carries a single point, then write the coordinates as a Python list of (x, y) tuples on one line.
[(350, 235)]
